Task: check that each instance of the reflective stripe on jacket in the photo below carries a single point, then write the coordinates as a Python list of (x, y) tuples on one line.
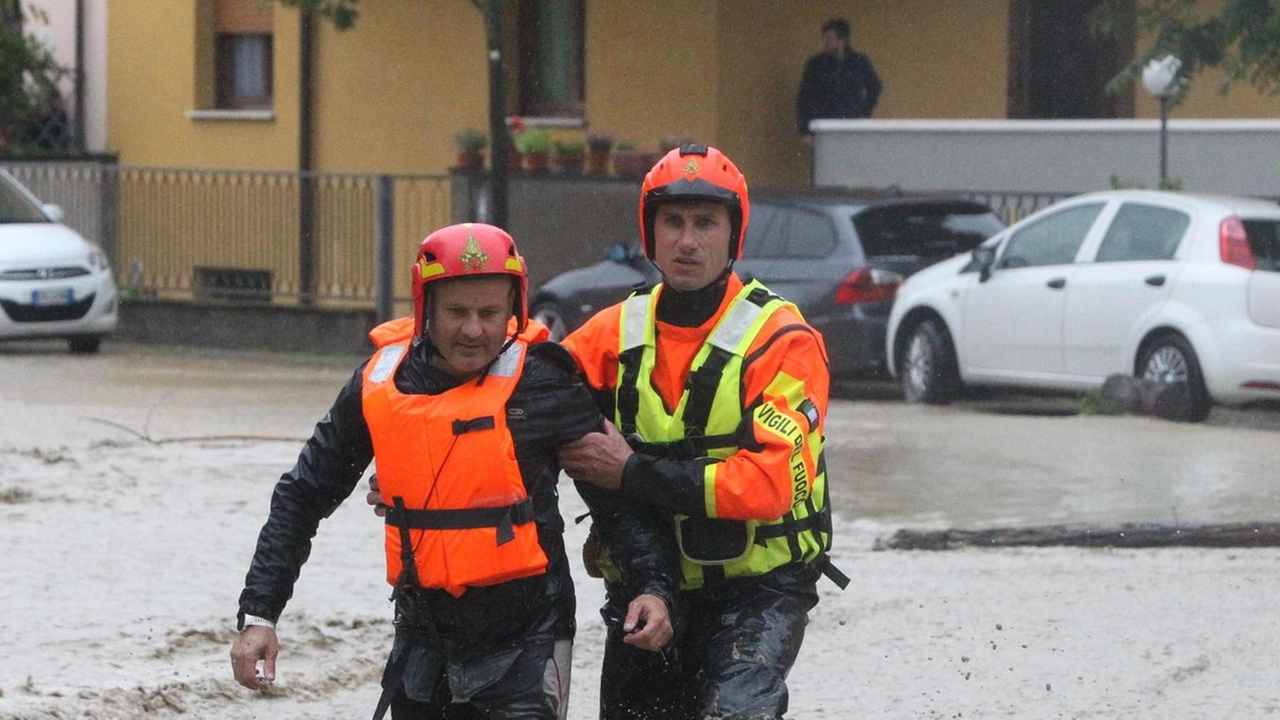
[(710, 420), (449, 461)]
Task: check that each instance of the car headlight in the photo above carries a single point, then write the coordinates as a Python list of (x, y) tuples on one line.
[(98, 260)]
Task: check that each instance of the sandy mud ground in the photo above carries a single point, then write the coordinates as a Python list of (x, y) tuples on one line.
[(133, 484)]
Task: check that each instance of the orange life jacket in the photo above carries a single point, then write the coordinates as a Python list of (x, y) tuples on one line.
[(447, 467)]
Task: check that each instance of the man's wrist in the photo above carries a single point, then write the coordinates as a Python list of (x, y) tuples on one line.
[(254, 621)]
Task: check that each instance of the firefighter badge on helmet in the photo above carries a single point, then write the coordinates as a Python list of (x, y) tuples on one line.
[(472, 257)]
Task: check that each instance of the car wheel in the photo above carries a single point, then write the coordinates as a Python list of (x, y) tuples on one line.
[(1171, 359), (928, 367), (84, 345), (551, 315)]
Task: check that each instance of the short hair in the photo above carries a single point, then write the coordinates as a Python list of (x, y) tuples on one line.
[(839, 26)]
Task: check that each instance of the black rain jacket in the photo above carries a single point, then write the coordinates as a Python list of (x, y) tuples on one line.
[(549, 406)]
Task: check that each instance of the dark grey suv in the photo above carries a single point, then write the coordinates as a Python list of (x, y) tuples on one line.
[(840, 258)]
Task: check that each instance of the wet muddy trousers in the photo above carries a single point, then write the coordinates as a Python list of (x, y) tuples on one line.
[(529, 682), (729, 660)]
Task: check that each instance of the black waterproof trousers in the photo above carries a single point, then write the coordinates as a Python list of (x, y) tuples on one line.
[(735, 644), (524, 682)]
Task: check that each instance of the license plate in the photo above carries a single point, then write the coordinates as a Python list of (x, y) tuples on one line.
[(59, 296)]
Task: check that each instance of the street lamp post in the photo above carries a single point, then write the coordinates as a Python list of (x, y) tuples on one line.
[(1160, 78)]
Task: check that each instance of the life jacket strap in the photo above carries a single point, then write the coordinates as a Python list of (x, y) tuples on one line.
[(504, 518)]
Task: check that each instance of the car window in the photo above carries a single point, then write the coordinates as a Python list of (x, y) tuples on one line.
[(1051, 240), (1264, 241), (1143, 232), (16, 207), (763, 238), (936, 230), (805, 234)]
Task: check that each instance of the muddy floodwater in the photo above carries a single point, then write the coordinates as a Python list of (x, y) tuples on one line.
[(133, 484), (993, 460)]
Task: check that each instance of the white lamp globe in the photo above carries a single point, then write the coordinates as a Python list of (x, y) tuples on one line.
[(1160, 76)]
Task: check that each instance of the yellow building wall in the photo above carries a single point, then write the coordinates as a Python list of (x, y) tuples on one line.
[(152, 84), (648, 80), (393, 91), (927, 67)]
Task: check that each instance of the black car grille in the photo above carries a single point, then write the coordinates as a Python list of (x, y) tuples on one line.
[(18, 312), (54, 273)]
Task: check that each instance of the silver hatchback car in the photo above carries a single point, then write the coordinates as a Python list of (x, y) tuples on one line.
[(53, 282)]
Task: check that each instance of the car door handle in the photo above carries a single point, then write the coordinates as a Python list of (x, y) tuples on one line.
[(1155, 280), (1057, 283)]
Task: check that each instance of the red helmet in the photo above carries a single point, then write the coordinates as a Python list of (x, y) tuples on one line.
[(468, 250), (699, 172)]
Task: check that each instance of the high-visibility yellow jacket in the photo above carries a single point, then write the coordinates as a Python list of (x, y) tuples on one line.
[(738, 402)]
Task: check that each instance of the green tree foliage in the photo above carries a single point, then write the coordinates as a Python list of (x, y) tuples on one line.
[(1240, 37), (341, 12), (28, 75)]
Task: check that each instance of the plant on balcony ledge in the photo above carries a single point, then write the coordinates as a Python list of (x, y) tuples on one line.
[(599, 149), (570, 153), (630, 163), (534, 145), (471, 146)]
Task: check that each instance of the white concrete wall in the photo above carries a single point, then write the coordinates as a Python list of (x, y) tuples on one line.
[(1225, 156), (60, 36)]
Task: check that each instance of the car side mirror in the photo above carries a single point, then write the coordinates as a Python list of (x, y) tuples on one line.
[(53, 212), (984, 258), (617, 252)]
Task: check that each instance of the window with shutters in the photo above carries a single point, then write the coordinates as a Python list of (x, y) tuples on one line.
[(549, 63), (242, 55)]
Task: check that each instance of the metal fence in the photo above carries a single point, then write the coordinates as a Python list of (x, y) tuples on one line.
[(243, 235), (228, 234)]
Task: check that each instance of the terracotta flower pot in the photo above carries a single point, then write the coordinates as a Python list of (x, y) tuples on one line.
[(536, 161), (632, 165), (598, 162), (470, 160), (569, 164)]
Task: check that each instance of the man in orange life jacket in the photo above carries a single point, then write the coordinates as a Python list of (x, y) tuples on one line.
[(463, 407), (716, 391)]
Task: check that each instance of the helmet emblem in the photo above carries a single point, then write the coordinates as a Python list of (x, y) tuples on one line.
[(472, 257), (691, 167)]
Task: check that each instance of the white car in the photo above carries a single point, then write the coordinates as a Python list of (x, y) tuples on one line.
[(1168, 286), (53, 282)]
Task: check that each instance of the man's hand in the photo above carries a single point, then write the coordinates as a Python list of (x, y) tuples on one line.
[(256, 643), (374, 498), (648, 623), (597, 458)]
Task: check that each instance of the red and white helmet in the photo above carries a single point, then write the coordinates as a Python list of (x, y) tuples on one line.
[(695, 172), (468, 250)]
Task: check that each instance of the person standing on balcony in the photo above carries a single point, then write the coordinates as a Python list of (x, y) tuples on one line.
[(838, 82), (462, 407), (716, 392)]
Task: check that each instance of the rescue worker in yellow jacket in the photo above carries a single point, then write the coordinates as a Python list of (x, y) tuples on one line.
[(716, 390), (462, 407)]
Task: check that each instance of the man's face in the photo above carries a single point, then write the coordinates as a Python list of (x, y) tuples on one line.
[(832, 44), (468, 322), (691, 243)]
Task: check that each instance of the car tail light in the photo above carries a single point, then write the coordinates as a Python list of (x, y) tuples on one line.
[(868, 285), (1233, 244)]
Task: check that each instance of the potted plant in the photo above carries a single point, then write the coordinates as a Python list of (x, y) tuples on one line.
[(630, 163), (599, 149), (471, 146), (534, 145), (570, 153)]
